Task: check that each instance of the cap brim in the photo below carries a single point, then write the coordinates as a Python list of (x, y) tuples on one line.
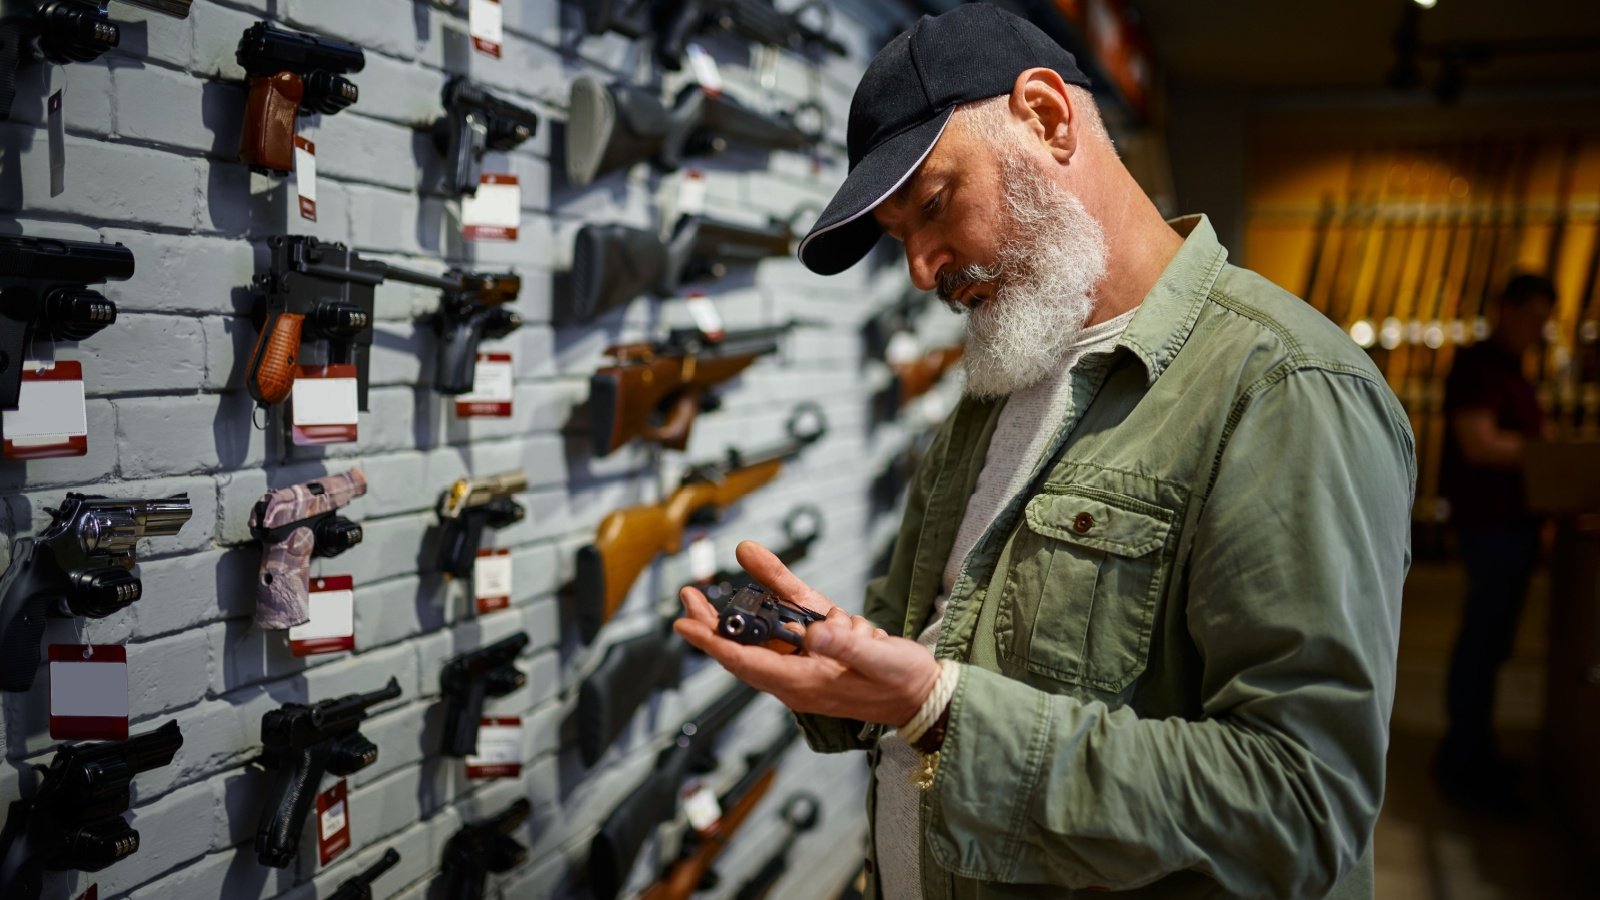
[(846, 230)]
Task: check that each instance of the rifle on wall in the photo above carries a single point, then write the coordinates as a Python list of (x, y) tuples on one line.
[(631, 672), (800, 814)]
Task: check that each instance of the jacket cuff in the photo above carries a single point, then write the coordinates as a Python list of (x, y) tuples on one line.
[(826, 734)]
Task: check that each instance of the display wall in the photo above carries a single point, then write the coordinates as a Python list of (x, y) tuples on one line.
[(150, 138)]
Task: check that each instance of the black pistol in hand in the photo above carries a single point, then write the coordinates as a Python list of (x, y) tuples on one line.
[(301, 742), (467, 679), (44, 285), (755, 615), (483, 847), (74, 820), (469, 506), (475, 122), (80, 565), (465, 318), (360, 887)]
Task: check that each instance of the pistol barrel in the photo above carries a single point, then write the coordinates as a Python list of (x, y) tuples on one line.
[(81, 262)]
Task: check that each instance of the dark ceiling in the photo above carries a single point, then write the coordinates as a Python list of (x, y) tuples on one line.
[(1303, 45)]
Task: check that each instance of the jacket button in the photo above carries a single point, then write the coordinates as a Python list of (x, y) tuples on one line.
[(1083, 523)]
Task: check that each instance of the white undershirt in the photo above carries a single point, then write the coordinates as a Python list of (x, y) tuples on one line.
[(1022, 434)]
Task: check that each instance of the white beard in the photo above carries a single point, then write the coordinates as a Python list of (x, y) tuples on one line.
[(1046, 271)]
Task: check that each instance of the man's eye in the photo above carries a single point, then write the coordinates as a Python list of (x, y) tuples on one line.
[(932, 204)]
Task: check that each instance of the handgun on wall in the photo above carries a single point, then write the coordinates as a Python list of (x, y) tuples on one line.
[(45, 295), (61, 32), (612, 264), (74, 820), (612, 126), (300, 743), (468, 507), (679, 21), (480, 848), (294, 524), (360, 887), (290, 74), (475, 122), (80, 565), (629, 539), (654, 390), (469, 678), (465, 318)]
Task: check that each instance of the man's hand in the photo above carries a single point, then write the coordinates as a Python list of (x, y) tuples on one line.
[(850, 670)]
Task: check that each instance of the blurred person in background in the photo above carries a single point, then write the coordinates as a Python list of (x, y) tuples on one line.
[(1493, 412)]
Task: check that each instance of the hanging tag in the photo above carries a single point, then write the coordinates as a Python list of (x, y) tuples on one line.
[(50, 419), (494, 213), (484, 23), (323, 405), (705, 316), (493, 380), (499, 750), (89, 692), (491, 580), (305, 177), (701, 807), (331, 627), (54, 119), (705, 69), (333, 822), (692, 193), (702, 559), (903, 349), (93, 893)]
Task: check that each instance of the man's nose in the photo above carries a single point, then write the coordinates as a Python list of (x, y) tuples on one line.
[(925, 258)]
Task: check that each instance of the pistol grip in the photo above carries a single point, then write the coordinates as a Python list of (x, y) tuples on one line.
[(24, 606), (273, 361), (674, 432), (284, 815), (283, 589), (267, 141), (458, 355), (458, 544), (462, 715)]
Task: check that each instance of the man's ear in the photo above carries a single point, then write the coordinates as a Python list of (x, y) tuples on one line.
[(1039, 98)]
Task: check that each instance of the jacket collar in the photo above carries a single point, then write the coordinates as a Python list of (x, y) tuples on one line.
[(1166, 316)]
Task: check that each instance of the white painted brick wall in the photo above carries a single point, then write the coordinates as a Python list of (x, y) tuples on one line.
[(152, 133)]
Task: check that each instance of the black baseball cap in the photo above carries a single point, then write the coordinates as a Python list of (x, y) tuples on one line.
[(903, 104)]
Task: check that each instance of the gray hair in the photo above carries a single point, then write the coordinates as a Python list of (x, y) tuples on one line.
[(990, 116)]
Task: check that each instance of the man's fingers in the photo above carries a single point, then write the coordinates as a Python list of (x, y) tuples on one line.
[(697, 607), (765, 567)]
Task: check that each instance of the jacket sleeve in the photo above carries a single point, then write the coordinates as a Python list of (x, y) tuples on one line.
[(1293, 603)]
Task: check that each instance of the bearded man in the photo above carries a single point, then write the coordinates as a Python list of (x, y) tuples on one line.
[(1149, 575)]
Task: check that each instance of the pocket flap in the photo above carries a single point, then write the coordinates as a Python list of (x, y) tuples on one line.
[(1125, 526)]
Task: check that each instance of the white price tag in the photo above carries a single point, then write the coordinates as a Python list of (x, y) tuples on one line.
[(324, 405), (701, 807), (333, 818), (692, 193), (491, 580), (903, 349), (333, 822), (331, 626), (88, 692), (50, 419), (495, 211), (705, 315), (305, 177), (493, 386), (702, 559), (499, 750), (485, 22), (705, 69)]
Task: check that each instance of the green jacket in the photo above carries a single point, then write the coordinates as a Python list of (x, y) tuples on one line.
[(1179, 642)]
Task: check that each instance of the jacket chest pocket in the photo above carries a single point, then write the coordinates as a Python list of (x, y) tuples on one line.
[(1087, 568)]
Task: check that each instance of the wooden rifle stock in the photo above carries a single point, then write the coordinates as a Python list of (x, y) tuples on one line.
[(684, 877), (918, 377), (273, 360), (630, 395)]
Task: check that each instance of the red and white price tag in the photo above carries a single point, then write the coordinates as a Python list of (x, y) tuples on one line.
[(485, 22), (701, 807), (705, 69), (305, 177), (702, 559), (491, 580), (89, 692), (50, 419), (493, 388), (331, 627), (333, 822), (692, 193), (324, 405), (495, 211), (499, 750), (705, 315)]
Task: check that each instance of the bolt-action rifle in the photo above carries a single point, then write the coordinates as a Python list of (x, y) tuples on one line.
[(654, 389), (301, 742), (467, 679), (612, 264), (475, 122), (61, 32), (616, 845), (80, 565), (612, 126), (45, 295), (360, 887), (689, 872), (483, 847), (469, 506), (800, 814), (290, 74), (629, 539), (74, 821), (294, 524), (324, 292)]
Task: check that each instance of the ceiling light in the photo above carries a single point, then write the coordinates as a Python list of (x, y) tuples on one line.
[(1426, 4)]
